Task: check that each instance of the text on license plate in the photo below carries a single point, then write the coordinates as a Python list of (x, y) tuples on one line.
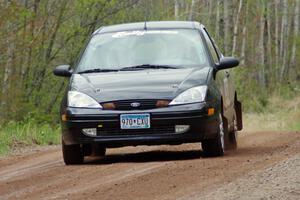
[(135, 121)]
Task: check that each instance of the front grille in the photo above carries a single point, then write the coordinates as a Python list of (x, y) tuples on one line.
[(158, 129), (144, 104)]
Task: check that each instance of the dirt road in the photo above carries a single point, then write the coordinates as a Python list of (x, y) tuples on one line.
[(266, 166)]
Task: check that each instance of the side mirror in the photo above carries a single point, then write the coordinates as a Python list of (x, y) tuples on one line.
[(227, 62), (63, 70)]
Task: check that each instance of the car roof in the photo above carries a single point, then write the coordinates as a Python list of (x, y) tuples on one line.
[(150, 25)]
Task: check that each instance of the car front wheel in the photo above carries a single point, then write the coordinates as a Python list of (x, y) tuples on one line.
[(72, 154), (215, 147)]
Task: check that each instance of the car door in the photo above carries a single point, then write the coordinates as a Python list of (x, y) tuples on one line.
[(222, 77), (230, 91)]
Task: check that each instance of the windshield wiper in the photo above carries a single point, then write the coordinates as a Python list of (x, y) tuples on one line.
[(148, 66), (97, 70), (137, 67)]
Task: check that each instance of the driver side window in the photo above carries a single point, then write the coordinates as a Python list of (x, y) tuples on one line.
[(211, 47)]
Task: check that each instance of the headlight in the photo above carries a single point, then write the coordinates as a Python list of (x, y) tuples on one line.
[(192, 95), (80, 100)]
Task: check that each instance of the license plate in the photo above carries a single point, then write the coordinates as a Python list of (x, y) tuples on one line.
[(135, 121)]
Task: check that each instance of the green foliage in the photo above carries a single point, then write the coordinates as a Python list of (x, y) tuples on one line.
[(296, 126), (259, 100), (21, 134), (256, 98)]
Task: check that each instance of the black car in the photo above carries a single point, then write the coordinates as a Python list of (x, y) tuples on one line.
[(149, 83)]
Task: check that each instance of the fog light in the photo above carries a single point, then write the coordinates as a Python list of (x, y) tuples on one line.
[(90, 131), (181, 128)]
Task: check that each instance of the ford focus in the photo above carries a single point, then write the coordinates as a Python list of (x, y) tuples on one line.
[(149, 83)]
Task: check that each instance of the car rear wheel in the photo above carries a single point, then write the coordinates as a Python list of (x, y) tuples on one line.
[(72, 154), (215, 147), (231, 137)]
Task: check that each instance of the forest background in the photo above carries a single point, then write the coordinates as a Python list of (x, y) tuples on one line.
[(37, 35)]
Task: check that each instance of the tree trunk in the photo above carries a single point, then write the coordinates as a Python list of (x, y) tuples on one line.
[(226, 27), (191, 10), (244, 36), (269, 57), (8, 69), (22, 63), (176, 10), (29, 53), (211, 14), (217, 24), (296, 32), (48, 55), (261, 49), (8, 65), (186, 7), (235, 29), (243, 48), (276, 40), (284, 41)]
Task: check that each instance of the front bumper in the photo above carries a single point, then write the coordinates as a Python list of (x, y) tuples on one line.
[(201, 125)]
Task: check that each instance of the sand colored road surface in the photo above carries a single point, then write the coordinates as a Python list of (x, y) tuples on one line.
[(265, 166)]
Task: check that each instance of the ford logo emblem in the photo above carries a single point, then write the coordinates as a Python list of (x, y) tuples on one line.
[(135, 104)]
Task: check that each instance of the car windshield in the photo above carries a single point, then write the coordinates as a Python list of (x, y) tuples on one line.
[(129, 49)]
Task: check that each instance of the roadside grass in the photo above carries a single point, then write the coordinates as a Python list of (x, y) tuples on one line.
[(17, 135), (278, 115), (296, 126), (270, 122)]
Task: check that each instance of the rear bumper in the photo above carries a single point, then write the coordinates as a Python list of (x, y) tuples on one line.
[(194, 115)]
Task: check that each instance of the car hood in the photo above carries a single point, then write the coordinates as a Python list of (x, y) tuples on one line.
[(140, 84)]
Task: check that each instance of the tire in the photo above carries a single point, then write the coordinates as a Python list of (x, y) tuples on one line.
[(72, 154), (231, 137), (215, 147)]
